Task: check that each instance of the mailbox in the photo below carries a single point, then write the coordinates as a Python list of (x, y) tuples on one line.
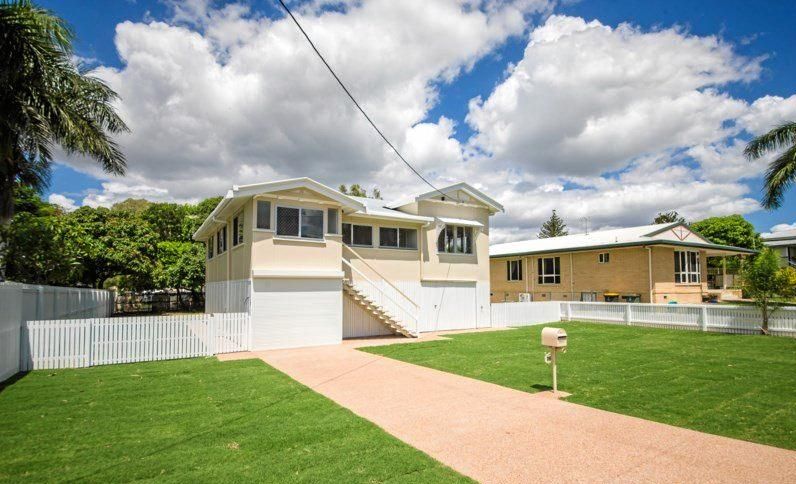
[(554, 338)]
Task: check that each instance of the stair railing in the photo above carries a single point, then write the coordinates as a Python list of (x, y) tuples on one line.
[(387, 295)]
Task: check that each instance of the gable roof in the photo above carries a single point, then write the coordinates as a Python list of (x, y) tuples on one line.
[(236, 197), (452, 189), (658, 234), (375, 208)]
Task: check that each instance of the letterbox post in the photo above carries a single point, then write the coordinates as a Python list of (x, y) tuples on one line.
[(555, 371)]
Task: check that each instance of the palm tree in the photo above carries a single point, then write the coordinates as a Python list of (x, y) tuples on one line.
[(781, 172), (47, 101)]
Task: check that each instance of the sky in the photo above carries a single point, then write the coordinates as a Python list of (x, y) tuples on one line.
[(606, 111)]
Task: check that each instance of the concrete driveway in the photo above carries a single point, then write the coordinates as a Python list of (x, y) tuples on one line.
[(496, 434)]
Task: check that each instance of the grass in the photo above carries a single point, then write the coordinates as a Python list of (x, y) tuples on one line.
[(193, 420), (733, 385)]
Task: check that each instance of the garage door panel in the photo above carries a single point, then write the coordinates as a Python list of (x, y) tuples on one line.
[(290, 313), (448, 305)]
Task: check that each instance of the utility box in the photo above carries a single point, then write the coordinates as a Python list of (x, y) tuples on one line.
[(554, 338)]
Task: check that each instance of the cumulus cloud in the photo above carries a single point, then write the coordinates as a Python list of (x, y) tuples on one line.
[(62, 201), (781, 228), (613, 123)]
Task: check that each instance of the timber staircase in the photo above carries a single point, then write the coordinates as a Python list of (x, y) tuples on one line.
[(377, 311)]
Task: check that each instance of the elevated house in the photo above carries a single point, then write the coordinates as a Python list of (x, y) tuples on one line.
[(314, 265), (653, 263), (784, 243)]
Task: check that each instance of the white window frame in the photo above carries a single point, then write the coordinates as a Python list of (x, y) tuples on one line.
[(604, 258), (456, 228), (690, 270), (510, 276), (238, 225), (351, 234), (543, 276), (299, 236), (337, 229), (221, 242), (398, 238)]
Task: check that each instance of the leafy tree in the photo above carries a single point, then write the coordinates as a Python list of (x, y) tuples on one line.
[(37, 252), (668, 218), (554, 227), (355, 190), (729, 230), (768, 284), (180, 266), (45, 100), (781, 172), (166, 219), (135, 205), (195, 215)]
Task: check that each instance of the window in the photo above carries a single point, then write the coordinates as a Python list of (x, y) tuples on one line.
[(210, 247), (331, 221), (514, 270), (221, 240), (686, 267), (391, 237), (306, 223), (361, 235), (237, 230), (603, 258), (455, 240), (549, 270), (263, 215)]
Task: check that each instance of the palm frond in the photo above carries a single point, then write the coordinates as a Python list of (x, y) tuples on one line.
[(783, 136), (780, 175)]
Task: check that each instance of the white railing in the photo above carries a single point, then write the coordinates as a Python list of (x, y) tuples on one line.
[(78, 343), (697, 317), (385, 294), (524, 313), (25, 302)]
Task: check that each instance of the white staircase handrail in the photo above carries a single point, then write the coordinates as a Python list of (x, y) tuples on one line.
[(409, 299)]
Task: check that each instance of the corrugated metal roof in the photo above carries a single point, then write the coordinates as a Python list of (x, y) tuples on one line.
[(376, 208), (783, 235), (644, 234)]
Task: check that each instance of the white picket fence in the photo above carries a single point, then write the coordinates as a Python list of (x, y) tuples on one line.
[(695, 317), (524, 313), (25, 302), (79, 343)]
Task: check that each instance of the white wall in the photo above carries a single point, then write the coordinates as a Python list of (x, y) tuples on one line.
[(228, 296), (296, 312), (359, 323), (20, 303)]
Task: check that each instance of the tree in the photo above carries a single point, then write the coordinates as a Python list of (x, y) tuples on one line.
[(355, 190), (729, 230), (180, 266), (45, 100), (669, 218), (768, 284), (554, 227), (166, 219), (781, 172)]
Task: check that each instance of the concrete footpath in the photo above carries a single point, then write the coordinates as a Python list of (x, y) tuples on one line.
[(496, 434)]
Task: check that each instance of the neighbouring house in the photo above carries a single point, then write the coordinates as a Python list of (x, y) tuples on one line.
[(785, 244), (653, 263), (314, 265)]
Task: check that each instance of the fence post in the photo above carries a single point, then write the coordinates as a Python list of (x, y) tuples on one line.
[(703, 319), (569, 311), (628, 315), (211, 329)]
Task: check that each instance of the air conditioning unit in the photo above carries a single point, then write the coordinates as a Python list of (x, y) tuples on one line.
[(526, 297)]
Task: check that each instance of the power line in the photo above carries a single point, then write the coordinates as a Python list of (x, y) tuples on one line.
[(351, 96)]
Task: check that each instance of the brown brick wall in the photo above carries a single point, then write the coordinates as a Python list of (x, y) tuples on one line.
[(627, 272)]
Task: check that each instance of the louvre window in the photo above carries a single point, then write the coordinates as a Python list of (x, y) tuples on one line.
[(362, 235), (332, 216), (407, 238), (237, 230), (454, 239), (686, 267), (263, 215), (210, 247), (388, 237), (514, 270), (221, 240), (549, 270)]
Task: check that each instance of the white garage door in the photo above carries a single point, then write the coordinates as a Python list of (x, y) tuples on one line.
[(448, 305), (290, 313)]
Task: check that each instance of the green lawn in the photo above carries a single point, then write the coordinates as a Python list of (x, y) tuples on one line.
[(734, 385), (193, 420)]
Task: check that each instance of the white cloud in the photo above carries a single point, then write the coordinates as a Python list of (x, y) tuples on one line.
[(782, 228), (611, 123), (63, 201)]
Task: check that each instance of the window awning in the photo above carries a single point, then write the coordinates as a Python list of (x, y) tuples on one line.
[(460, 221)]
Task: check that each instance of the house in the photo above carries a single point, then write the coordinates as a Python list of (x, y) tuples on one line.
[(652, 263), (314, 265), (784, 243)]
